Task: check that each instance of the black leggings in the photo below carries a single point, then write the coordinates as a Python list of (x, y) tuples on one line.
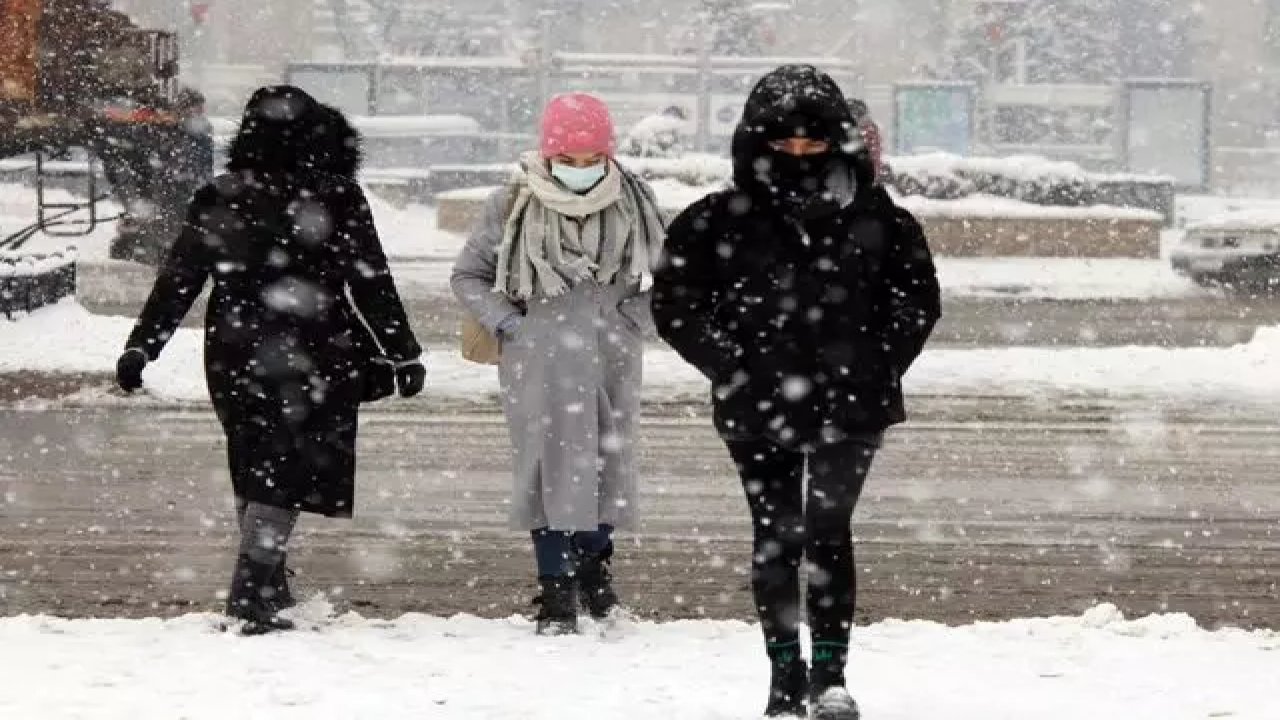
[(791, 524)]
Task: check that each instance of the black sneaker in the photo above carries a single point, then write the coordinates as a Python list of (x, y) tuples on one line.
[(788, 688), (557, 606), (252, 598), (595, 583), (833, 703)]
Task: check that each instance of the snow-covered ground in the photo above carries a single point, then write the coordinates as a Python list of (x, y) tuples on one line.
[(1063, 279), (406, 233), (410, 236), (18, 210), (68, 339), (1097, 665)]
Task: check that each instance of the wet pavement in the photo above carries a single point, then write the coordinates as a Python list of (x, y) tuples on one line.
[(126, 512)]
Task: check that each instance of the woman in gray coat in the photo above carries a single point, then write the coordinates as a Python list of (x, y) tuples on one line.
[(558, 270)]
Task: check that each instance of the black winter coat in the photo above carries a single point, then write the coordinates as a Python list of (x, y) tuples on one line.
[(284, 347), (805, 322)]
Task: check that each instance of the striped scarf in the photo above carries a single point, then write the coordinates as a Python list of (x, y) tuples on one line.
[(555, 238)]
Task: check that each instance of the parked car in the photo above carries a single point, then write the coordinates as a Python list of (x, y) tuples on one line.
[(1240, 251)]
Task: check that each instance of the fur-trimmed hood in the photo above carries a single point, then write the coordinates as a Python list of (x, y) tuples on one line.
[(285, 129)]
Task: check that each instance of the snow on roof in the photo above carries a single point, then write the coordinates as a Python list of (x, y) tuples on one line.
[(1259, 219)]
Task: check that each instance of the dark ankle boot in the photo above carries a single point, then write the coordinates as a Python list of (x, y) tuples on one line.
[(595, 583), (251, 598), (283, 599), (558, 606), (788, 689), (828, 698), (833, 703)]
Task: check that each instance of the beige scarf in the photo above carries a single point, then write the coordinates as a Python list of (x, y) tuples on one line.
[(555, 238)]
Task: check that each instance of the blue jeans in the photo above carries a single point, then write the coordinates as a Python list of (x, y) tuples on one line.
[(555, 550)]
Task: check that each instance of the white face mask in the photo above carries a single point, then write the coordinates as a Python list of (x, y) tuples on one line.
[(579, 179)]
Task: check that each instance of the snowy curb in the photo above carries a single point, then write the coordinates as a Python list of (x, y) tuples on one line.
[(419, 666), (66, 339)]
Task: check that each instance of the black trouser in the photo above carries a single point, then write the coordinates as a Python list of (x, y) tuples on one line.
[(792, 523)]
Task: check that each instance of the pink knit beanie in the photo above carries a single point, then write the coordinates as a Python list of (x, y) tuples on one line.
[(576, 122)]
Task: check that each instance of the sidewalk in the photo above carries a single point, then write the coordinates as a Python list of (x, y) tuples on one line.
[(65, 352)]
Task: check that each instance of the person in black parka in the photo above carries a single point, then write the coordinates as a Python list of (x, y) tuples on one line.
[(302, 304), (804, 295)]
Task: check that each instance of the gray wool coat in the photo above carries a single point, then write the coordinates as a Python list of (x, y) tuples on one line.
[(570, 382)]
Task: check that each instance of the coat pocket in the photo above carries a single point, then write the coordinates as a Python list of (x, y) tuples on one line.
[(637, 315)]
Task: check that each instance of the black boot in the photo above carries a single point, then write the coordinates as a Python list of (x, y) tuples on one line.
[(788, 688), (558, 606), (283, 599), (828, 698), (252, 598), (833, 703), (595, 583)]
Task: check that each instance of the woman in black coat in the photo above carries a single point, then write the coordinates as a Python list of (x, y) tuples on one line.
[(288, 240), (804, 295)]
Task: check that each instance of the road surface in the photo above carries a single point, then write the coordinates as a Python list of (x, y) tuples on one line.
[(111, 512)]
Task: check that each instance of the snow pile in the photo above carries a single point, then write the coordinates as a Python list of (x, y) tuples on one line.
[(663, 136), (695, 169), (1028, 178), (32, 281), (932, 176), (410, 233), (66, 338), (466, 668), (1063, 279), (674, 196), (19, 264)]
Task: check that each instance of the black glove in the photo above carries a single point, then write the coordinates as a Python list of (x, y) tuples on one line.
[(379, 379), (411, 378), (129, 369)]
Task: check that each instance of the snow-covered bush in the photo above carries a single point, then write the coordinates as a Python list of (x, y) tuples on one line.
[(930, 176), (30, 282), (940, 176), (1031, 179), (693, 169), (1027, 178), (658, 136)]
